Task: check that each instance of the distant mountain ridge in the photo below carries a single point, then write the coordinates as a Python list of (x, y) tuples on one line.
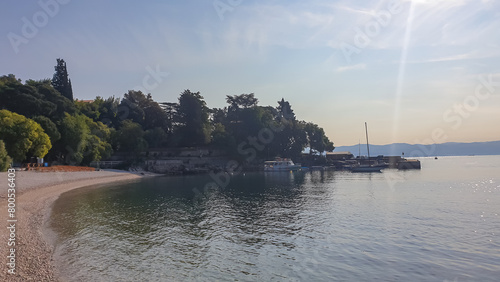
[(419, 150)]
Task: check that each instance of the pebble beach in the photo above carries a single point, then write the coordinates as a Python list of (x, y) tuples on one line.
[(35, 193)]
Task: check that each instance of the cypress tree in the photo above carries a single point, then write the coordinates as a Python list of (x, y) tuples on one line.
[(60, 81)]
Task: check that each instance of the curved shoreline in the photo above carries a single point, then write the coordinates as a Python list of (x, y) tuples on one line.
[(35, 194)]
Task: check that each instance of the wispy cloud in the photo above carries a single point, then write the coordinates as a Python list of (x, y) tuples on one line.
[(351, 68), (472, 55)]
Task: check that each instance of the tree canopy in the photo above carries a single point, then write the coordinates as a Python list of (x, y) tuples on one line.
[(84, 140), (130, 138), (23, 137), (79, 132), (34, 98), (193, 124)]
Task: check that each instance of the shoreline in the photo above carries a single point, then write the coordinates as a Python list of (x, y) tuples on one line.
[(36, 193)]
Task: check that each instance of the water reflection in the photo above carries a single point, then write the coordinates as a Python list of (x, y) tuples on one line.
[(313, 226), (255, 210)]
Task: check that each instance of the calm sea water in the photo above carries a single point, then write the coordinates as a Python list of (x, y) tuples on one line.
[(441, 223)]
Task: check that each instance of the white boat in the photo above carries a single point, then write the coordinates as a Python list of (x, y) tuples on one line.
[(280, 165)]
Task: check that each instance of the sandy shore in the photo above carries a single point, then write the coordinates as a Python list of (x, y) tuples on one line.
[(35, 194)]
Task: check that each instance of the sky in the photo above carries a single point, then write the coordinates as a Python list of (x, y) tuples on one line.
[(421, 71)]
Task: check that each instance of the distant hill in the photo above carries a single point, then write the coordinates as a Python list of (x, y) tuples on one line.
[(418, 150)]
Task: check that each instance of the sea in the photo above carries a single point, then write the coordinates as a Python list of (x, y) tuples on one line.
[(440, 223)]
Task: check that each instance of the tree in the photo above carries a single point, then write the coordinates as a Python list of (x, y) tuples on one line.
[(218, 115), (108, 111), (34, 98), (74, 135), (292, 139), (155, 137), (49, 127), (155, 117), (23, 136), (194, 126), (238, 103), (90, 109), (242, 101), (23, 99), (130, 138), (318, 141), (96, 150), (5, 160), (142, 109), (83, 140), (172, 118), (132, 105), (50, 94), (60, 81), (98, 146), (285, 110), (221, 138)]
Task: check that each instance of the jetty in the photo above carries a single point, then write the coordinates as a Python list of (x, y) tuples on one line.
[(344, 160)]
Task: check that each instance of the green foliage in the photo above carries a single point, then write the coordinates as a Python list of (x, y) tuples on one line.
[(242, 101), (107, 111), (142, 109), (155, 137), (318, 141), (74, 136), (50, 94), (155, 117), (23, 99), (285, 110), (23, 136), (193, 124), (34, 98), (96, 150), (91, 109), (133, 104), (60, 81), (220, 137), (82, 132), (171, 117), (5, 160), (84, 140), (130, 138), (243, 120), (291, 140), (49, 127)]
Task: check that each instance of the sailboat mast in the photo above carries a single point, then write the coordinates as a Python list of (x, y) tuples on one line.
[(367, 146), (359, 149)]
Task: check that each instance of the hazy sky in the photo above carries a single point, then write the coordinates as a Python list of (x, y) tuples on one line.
[(416, 71)]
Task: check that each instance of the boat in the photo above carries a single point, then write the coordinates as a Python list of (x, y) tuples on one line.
[(317, 167), (369, 167), (366, 168), (280, 164)]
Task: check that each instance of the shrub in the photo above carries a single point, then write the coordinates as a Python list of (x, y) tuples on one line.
[(5, 160)]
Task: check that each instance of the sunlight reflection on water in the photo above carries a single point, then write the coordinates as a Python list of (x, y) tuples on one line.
[(439, 223)]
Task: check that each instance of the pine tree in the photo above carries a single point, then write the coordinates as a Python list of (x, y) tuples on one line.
[(60, 81)]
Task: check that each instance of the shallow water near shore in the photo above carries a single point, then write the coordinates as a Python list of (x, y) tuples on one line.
[(441, 223)]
